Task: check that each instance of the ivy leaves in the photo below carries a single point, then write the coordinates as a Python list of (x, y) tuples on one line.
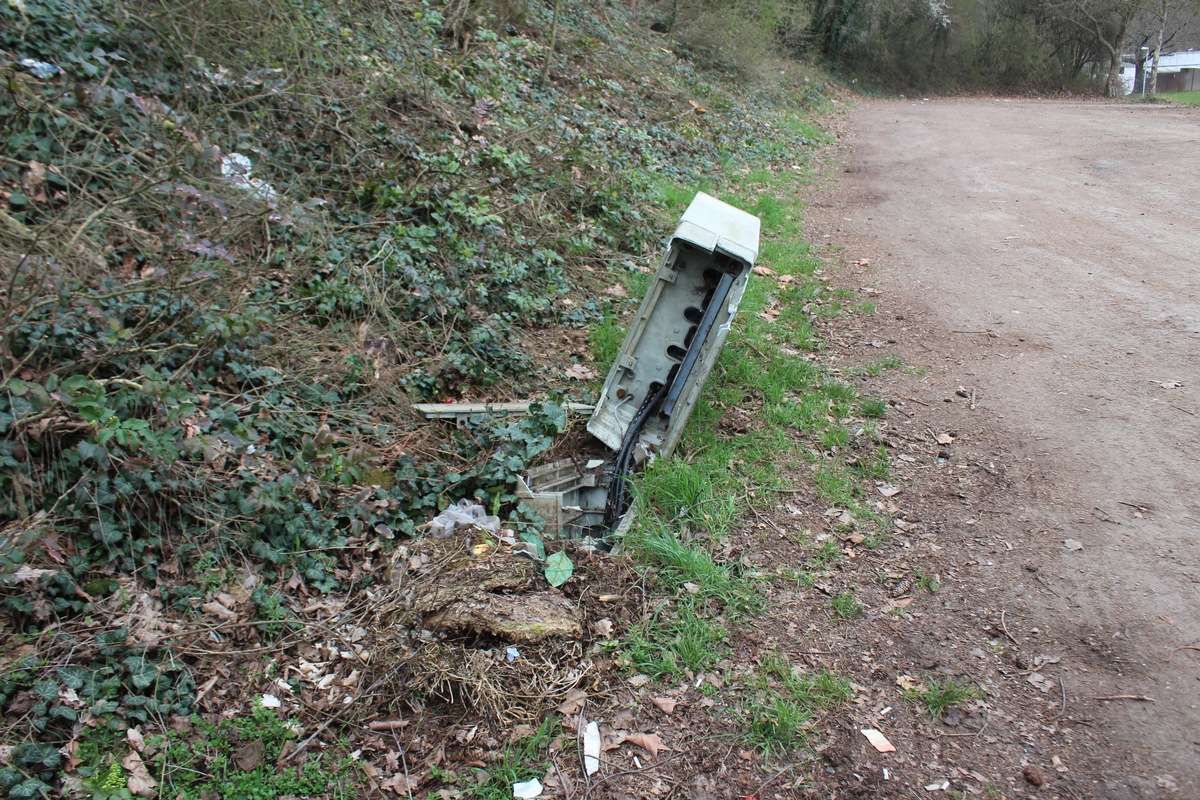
[(559, 569)]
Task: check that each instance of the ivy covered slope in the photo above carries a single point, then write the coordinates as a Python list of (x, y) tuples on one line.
[(237, 240)]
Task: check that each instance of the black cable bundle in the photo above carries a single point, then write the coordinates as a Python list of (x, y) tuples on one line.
[(614, 505)]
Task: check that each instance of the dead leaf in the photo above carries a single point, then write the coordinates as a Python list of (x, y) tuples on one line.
[(573, 702), (665, 704), (907, 682), (580, 372), (219, 611), (650, 742), (603, 627), (878, 740), (404, 785), (639, 680), (134, 736), (699, 109), (766, 272), (616, 290), (249, 756), (391, 725), (206, 688), (140, 784), (889, 491), (945, 438)]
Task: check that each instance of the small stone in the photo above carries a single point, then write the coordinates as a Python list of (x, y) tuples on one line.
[(1034, 775)]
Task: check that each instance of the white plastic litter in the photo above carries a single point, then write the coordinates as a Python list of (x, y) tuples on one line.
[(591, 748), (40, 69), (464, 512), (235, 168), (530, 788)]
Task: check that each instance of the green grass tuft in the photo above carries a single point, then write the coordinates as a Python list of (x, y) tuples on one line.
[(845, 606), (939, 696), (785, 703), (872, 408), (675, 639)]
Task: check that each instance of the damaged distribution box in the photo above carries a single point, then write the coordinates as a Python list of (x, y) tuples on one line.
[(568, 495), (683, 321), (656, 379)]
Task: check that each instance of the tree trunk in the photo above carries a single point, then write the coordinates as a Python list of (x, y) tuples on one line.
[(1152, 89), (1113, 86), (553, 43)]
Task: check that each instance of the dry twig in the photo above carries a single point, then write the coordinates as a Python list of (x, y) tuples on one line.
[(1004, 628)]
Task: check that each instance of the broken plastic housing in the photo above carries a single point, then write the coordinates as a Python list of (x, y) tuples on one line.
[(679, 329), (657, 377)]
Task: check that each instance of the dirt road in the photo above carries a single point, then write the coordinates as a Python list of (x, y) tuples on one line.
[(1048, 254)]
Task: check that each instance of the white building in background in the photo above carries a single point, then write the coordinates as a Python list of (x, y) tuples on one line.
[(1177, 72), (1128, 72)]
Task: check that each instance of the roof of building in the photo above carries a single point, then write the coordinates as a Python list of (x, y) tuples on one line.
[(1184, 59)]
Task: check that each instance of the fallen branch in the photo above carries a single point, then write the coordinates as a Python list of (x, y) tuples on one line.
[(329, 721), (388, 724), (1139, 697)]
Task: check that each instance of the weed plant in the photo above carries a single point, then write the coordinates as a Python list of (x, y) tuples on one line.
[(937, 697), (523, 760), (845, 605), (784, 702), (678, 637)]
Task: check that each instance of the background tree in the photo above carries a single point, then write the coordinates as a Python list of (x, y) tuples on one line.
[(1164, 26)]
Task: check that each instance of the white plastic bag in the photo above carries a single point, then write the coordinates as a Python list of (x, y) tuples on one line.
[(464, 512)]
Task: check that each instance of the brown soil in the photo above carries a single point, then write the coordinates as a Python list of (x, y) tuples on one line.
[(1035, 261)]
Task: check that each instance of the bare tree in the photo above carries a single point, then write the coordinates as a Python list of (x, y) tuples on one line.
[(1107, 23), (1162, 27)]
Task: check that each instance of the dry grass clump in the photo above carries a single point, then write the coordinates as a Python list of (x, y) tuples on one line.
[(468, 622)]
